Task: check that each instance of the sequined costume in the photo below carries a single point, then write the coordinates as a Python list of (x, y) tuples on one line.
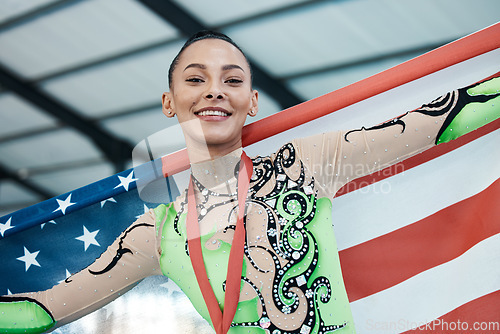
[(291, 280)]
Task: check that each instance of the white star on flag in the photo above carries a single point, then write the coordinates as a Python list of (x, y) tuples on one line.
[(111, 199), (68, 274), (88, 238), (63, 205), (5, 227), (50, 221), (29, 258), (126, 181)]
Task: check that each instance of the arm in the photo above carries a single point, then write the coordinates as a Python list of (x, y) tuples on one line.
[(339, 157), (132, 257)]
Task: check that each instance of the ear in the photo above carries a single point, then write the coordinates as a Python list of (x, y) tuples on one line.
[(167, 104), (254, 108)]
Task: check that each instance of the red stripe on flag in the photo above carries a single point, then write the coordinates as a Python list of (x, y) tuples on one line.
[(481, 315), (390, 259)]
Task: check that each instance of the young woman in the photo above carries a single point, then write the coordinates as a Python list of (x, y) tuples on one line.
[(250, 241)]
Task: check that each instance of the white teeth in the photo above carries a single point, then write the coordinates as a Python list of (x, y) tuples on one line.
[(212, 113)]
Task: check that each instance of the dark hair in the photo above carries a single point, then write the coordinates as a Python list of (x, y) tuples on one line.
[(199, 36)]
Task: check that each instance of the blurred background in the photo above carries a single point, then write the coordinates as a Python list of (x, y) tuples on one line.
[(81, 80)]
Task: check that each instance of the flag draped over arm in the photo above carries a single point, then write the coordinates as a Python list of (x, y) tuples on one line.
[(43, 244), (418, 241)]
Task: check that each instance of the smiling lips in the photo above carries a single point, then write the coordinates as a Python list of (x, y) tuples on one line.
[(213, 114)]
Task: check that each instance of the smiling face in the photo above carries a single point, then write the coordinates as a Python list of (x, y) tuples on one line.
[(211, 95)]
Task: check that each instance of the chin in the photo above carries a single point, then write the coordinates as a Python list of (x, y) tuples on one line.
[(218, 141), (215, 139), (219, 137)]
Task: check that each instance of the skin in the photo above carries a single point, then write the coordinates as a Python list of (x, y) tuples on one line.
[(212, 75)]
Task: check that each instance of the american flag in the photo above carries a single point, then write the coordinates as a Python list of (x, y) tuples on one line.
[(419, 243)]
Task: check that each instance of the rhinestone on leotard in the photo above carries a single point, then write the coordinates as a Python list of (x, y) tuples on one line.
[(265, 322)]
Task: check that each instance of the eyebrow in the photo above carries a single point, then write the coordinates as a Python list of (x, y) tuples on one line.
[(231, 66), (196, 65), (224, 68)]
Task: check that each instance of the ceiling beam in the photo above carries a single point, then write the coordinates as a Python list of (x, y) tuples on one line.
[(116, 150), (29, 133), (34, 13), (109, 59), (6, 174), (189, 25), (282, 10), (406, 53)]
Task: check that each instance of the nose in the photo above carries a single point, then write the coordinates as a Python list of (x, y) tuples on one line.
[(212, 96), (214, 92)]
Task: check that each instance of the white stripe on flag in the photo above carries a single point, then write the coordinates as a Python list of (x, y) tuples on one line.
[(432, 293), (410, 196)]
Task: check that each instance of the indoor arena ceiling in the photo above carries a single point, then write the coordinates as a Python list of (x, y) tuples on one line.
[(81, 80)]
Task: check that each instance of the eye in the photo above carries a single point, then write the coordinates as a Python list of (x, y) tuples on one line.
[(194, 80), (234, 81)]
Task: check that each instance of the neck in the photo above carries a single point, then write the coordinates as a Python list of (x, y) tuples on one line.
[(216, 171), (205, 152)]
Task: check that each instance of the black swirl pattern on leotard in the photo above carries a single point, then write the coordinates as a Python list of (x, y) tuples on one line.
[(452, 103), (290, 206)]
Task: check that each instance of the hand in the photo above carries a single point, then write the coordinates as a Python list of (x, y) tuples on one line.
[(22, 315)]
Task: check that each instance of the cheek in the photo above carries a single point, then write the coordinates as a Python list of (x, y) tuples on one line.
[(184, 100), (245, 102)]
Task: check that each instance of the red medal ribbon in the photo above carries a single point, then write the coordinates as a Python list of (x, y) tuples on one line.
[(220, 320)]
